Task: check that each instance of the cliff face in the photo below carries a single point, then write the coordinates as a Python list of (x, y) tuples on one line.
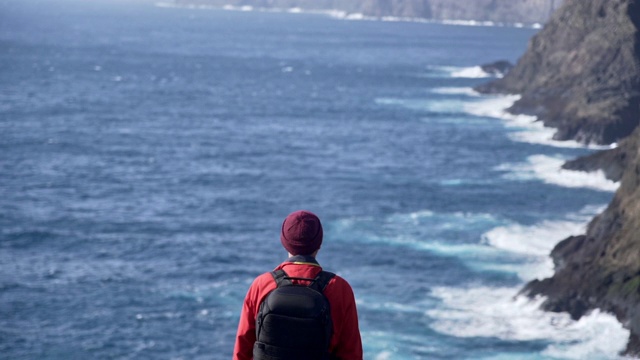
[(601, 269), (507, 11), (581, 75)]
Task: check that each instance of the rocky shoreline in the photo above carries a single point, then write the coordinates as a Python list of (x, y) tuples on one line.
[(581, 76)]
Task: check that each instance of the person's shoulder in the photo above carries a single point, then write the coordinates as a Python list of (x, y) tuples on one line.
[(261, 286), (339, 282), (263, 279)]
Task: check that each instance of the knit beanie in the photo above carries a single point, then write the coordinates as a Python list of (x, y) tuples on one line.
[(301, 233)]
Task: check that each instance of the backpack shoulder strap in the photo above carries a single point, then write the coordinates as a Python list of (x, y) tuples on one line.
[(319, 283), (280, 277), (322, 280)]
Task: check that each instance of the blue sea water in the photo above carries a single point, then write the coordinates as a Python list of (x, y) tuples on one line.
[(150, 153)]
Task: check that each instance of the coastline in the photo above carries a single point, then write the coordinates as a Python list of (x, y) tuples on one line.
[(509, 308), (564, 81), (344, 15)]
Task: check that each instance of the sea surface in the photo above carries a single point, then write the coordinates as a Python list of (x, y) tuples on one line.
[(148, 155)]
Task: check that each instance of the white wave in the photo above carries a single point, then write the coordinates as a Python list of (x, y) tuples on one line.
[(473, 72), (471, 23), (338, 14), (404, 19), (455, 91), (525, 128), (424, 243), (549, 169), (497, 312), (357, 16), (492, 106), (427, 231), (534, 242), (500, 246)]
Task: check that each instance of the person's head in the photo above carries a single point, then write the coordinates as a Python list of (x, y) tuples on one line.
[(301, 233)]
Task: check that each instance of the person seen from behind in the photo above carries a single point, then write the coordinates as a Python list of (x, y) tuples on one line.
[(298, 311)]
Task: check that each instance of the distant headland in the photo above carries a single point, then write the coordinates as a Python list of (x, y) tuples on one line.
[(525, 12)]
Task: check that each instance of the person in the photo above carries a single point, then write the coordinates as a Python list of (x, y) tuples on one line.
[(301, 236)]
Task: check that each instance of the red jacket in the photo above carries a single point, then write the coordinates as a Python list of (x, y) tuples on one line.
[(345, 343)]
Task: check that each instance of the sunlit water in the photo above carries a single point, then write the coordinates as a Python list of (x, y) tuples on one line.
[(149, 155)]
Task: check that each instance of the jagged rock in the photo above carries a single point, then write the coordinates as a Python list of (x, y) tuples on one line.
[(602, 268), (498, 68), (611, 162)]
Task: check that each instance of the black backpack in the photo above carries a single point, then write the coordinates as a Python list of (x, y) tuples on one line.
[(294, 321)]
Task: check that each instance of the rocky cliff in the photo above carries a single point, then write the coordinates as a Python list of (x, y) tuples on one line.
[(581, 72), (601, 269), (503, 11), (581, 75)]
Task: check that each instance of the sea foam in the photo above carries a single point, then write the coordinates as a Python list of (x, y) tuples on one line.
[(533, 243), (524, 128), (473, 72), (455, 91), (497, 312), (549, 170)]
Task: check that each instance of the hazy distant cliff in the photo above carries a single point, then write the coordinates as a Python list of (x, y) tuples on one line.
[(581, 75), (509, 11)]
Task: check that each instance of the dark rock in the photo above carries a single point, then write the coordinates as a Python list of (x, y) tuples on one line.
[(633, 346), (611, 162), (567, 246), (498, 68)]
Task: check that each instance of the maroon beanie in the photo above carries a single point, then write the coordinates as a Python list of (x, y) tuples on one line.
[(301, 233)]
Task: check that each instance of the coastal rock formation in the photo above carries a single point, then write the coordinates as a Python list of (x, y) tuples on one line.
[(581, 72), (497, 68), (501, 11), (581, 75), (601, 269)]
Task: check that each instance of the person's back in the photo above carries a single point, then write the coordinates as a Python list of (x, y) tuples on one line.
[(302, 236), (294, 320)]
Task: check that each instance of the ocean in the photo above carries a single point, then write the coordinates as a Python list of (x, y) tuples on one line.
[(150, 153)]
